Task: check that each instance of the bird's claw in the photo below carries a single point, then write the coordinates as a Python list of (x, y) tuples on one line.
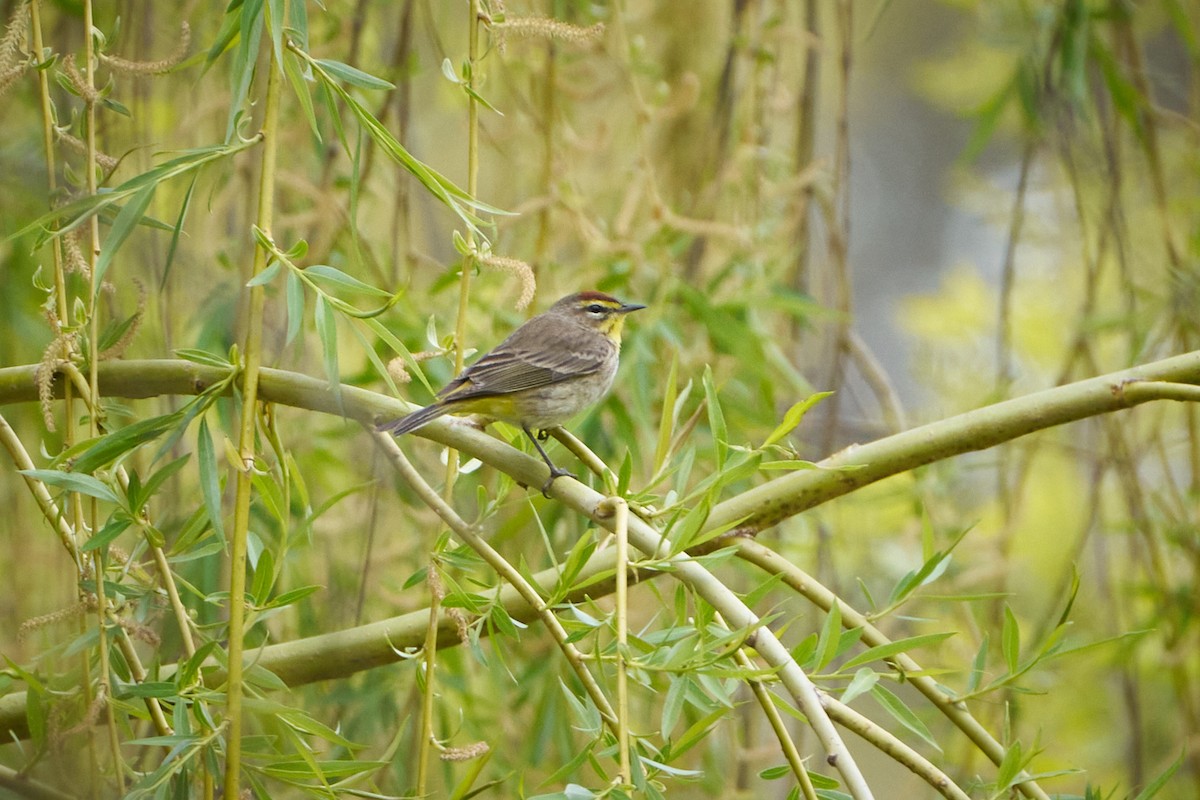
[(555, 472)]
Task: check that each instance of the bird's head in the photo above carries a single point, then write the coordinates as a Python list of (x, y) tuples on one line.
[(597, 310)]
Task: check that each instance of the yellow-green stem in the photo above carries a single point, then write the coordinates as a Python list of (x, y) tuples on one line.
[(114, 739), (425, 748), (778, 725), (468, 265), (503, 568), (460, 338), (241, 511), (621, 529)]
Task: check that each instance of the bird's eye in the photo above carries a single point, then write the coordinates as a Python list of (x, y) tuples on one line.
[(596, 308)]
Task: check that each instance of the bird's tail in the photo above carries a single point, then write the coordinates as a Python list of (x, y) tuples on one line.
[(414, 420)]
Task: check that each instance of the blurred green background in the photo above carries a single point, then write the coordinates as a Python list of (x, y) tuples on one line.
[(924, 207)]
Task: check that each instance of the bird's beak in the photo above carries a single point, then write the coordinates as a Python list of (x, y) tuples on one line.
[(627, 307)]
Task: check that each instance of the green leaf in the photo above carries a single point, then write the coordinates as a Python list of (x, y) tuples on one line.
[(903, 714), (353, 76), (296, 77), (1010, 766), (699, 731), (864, 680), (1156, 785), (1010, 641), (288, 598), (793, 417), (978, 665), (295, 305), (264, 578), (127, 219), (327, 332), (449, 73), (335, 276), (210, 481), (72, 482), (886, 651), (667, 421), (437, 184), (831, 631), (576, 560), (157, 480), (298, 770), (249, 37), (113, 445), (398, 347), (149, 689), (114, 332), (203, 357), (775, 773), (116, 525), (266, 276), (716, 419)]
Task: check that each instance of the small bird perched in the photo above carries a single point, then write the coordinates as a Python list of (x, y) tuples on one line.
[(547, 371)]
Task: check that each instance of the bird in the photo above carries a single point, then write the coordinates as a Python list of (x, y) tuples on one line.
[(549, 369)]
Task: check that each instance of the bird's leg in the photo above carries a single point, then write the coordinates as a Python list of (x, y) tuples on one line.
[(555, 472)]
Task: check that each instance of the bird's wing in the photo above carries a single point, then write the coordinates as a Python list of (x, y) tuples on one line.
[(525, 360)]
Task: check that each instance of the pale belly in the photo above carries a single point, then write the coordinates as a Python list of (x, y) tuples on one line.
[(551, 406)]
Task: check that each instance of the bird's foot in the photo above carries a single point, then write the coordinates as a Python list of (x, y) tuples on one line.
[(555, 472)]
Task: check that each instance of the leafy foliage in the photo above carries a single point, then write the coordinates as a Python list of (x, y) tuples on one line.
[(398, 645)]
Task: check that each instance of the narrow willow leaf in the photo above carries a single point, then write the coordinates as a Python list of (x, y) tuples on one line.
[(114, 332), (398, 347), (903, 714), (336, 277), (353, 76), (587, 717), (249, 37), (1156, 785), (327, 332), (831, 631), (275, 25), (699, 731), (376, 361), (689, 527), (203, 357), (116, 525), (156, 480), (625, 474), (862, 683), (177, 231), (264, 578), (793, 417), (295, 305), (266, 276), (1010, 765), (1010, 641), (666, 422), (113, 445), (449, 73), (299, 772), (885, 651), (673, 703), (210, 481), (72, 482), (576, 560), (128, 218), (978, 665), (295, 76), (716, 419)]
